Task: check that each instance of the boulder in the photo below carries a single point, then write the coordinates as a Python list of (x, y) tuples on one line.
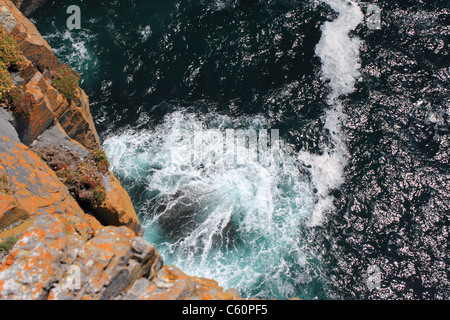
[(6, 126), (117, 209), (171, 283), (41, 257), (33, 184), (109, 264), (56, 136), (61, 257)]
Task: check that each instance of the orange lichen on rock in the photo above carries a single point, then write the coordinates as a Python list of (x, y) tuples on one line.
[(11, 213), (93, 186), (34, 185), (170, 283), (63, 252), (37, 259), (40, 116), (41, 256), (30, 41), (110, 262), (38, 67), (117, 209), (76, 119)]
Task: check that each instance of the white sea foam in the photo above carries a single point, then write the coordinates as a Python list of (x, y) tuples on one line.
[(145, 33), (339, 54), (338, 51), (73, 48), (247, 222)]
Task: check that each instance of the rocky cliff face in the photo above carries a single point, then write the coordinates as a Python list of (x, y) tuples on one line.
[(28, 6), (73, 231)]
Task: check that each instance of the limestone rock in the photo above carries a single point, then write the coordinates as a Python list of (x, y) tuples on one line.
[(40, 258), (6, 126), (56, 136), (30, 42), (38, 67), (117, 209), (33, 184), (171, 283), (109, 264), (28, 7)]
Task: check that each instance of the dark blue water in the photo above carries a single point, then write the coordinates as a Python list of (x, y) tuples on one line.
[(363, 121)]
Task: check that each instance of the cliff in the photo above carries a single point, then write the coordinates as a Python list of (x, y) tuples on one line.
[(28, 6), (68, 230)]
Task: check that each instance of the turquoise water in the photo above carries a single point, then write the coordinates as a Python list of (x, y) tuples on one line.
[(244, 225), (362, 169)]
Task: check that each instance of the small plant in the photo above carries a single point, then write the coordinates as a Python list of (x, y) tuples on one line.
[(99, 196), (82, 177), (84, 182), (14, 98), (7, 244), (9, 52), (5, 82), (20, 102), (66, 80), (102, 160), (4, 184), (10, 60)]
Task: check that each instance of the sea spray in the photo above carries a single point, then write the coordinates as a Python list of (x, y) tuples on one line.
[(74, 49), (243, 225)]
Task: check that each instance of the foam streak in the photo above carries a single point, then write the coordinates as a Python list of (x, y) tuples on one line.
[(339, 54)]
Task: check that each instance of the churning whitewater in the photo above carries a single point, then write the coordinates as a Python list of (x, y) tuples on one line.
[(243, 225), (362, 180), (248, 226)]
